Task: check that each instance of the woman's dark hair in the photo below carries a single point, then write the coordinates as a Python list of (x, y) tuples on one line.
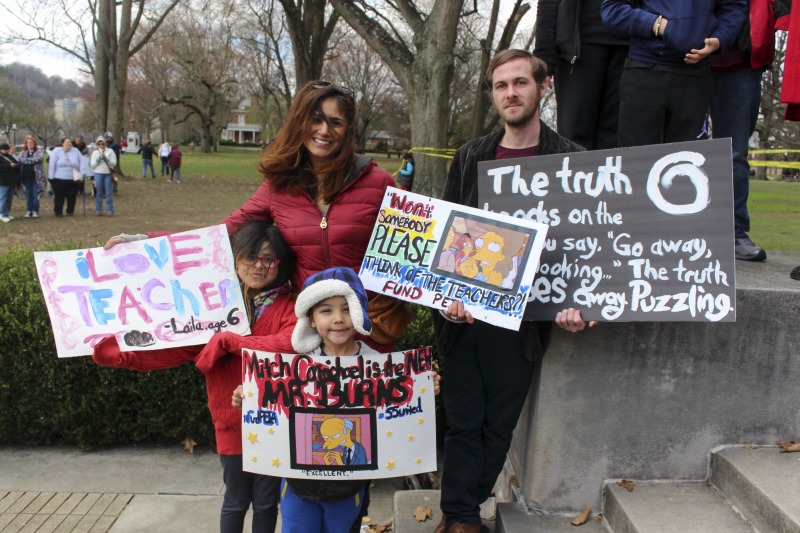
[(247, 242), (246, 245), (284, 162)]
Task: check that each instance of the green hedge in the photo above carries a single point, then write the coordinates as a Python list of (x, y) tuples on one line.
[(46, 400)]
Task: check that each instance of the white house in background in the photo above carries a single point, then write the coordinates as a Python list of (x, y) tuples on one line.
[(239, 130), (69, 110)]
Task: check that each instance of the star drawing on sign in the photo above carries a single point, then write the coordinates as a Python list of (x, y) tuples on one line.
[(388, 432), (390, 465), (276, 462), (418, 460), (249, 394), (254, 459), (422, 390), (410, 438), (252, 437), (271, 431), (420, 420)]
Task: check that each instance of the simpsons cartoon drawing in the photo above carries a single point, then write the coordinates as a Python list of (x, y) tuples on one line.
[(488, 252), (337, 433)]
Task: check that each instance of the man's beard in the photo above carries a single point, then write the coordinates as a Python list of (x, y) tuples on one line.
[(525, 118)]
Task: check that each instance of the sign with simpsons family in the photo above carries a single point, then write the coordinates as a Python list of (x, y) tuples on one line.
[(176, 290), (433, 252), (355, 417)]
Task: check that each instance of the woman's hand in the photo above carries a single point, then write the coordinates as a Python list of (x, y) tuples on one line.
[(456, 312), (238, 397)]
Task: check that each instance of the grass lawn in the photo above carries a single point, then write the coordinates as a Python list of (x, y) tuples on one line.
[(213, 185)]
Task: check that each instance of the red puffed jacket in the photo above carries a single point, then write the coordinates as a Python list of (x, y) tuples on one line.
[(340, 237), (220, 360)]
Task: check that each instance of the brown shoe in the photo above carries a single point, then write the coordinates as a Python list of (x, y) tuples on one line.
[(458, 527), (109, 214), (442, 526)]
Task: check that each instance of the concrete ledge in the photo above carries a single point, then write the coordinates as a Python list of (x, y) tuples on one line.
[(670, 508), (649, 400), (515, 518), (762, 484)]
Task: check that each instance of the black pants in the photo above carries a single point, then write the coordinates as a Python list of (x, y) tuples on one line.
[(587, 94), (243, 489), (487, 380), (65, 190), (658, 106)]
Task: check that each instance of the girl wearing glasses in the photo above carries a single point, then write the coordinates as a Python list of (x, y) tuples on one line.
[(264, 265)]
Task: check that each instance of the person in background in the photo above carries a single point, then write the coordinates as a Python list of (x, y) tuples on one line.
[(147, 158), (175, 159), (735, 101), (163, 154), (264, 264), (103, 162), (405, 176), (80, 145), (9, 181), (113, 145), (32, 158), (587, 58), (64, 173), (666, 83)]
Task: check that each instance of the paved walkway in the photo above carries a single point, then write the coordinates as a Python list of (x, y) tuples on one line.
[(124, 490)]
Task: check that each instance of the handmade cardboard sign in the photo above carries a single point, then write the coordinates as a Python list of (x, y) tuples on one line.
[(170, 291), (433, 252), (636, 234), (320, 417)]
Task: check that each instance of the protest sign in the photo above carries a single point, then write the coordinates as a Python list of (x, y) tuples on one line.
[(322, 417), (164, 292), (636, 234), (433, 252)]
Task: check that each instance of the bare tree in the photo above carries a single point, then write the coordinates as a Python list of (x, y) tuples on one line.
[(418, 46), (196, 67), (310, 24), (360, 68), (102, 34), (42, 123), (263, 39)]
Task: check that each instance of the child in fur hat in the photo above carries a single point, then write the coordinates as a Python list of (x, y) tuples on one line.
[(331, 309)]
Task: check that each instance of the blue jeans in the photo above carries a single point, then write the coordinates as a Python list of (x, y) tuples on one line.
[(734, 111), (6, 195), (301, 515), (103, 182), (488, 378), (242, 489), (148, 163), (165, 166), (176, 173), (31, 195)]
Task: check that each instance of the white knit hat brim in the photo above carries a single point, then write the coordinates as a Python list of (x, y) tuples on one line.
[(305, 338)]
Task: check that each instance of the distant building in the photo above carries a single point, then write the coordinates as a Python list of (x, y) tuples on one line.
[(384, 138), (69, 110), (242, 127)]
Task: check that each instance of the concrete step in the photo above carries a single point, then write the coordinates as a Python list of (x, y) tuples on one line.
[(669, 507), (762, 484), (515, 518)]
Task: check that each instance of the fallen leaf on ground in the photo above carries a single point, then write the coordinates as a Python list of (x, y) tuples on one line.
[(188, 444), (423, 513), (598, 517), (628, 484), (750, 446), (582, 518), (789, 446), (378, 528)]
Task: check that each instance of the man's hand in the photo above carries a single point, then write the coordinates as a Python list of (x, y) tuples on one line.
[(570, 320), (333, 458), (695, 56), (457, 313)]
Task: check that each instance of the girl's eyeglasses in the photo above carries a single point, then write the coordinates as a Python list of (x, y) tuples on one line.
[(266, 261)]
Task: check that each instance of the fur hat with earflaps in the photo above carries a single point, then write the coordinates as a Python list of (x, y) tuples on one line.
[(339, 281)]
